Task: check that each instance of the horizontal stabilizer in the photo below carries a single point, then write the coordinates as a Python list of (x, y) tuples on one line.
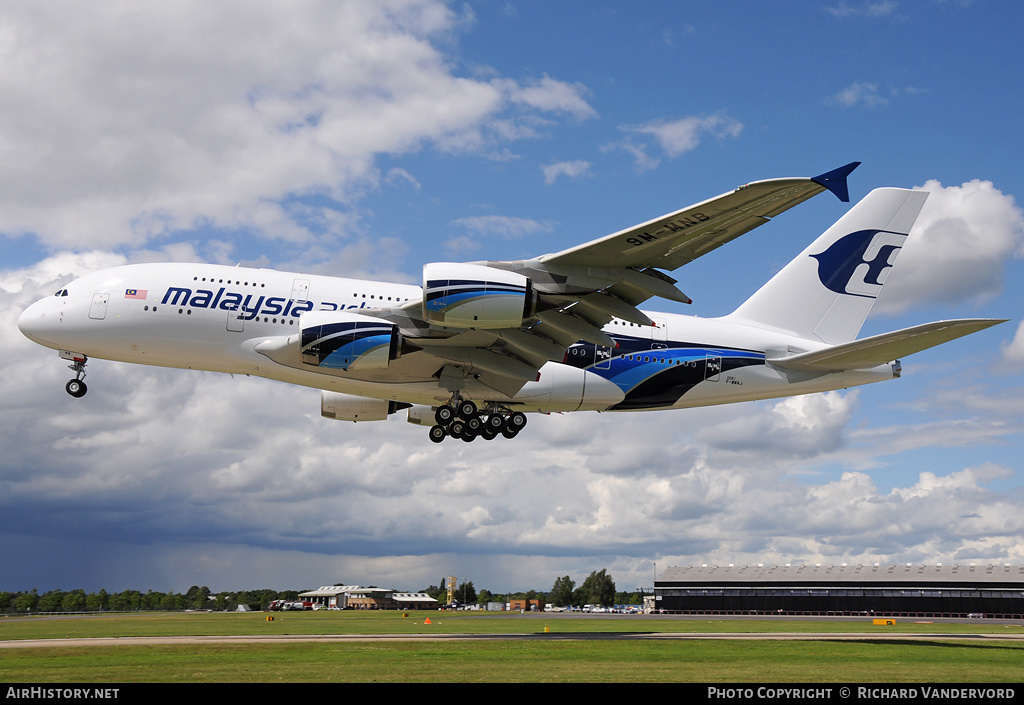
[(880, 349)]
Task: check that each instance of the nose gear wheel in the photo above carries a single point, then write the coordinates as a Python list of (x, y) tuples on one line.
[(77, 387)]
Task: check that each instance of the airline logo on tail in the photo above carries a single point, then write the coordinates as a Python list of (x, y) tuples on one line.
[(857, 263)]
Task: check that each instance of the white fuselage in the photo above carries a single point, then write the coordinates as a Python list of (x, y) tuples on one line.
[(213, 317)]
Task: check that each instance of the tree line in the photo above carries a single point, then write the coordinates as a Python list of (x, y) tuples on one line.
[(597, 589), (196, 598)]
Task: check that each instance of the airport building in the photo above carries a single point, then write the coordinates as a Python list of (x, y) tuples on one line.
[(526, 605), (367, 598), (883, 590)]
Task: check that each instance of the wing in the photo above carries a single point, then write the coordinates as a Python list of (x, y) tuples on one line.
[(678, 238), (500, 321)]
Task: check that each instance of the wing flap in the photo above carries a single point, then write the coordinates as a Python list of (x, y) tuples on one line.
[(485, 361), (531, 346), (572, 326), (884, 348)]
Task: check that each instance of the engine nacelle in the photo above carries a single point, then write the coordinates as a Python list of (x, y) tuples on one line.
[(347, 407), (475, 296), (421, 415), (348, 341)]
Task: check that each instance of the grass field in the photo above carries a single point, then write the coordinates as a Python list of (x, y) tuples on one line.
[(537, 660)]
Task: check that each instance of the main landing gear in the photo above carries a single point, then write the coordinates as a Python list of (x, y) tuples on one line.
[(461, 419), (76, 387)]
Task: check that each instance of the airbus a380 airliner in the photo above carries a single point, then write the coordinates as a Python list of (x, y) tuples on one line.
[(481, 343)]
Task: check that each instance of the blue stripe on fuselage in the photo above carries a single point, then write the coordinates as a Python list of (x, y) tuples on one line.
[(634, 362)]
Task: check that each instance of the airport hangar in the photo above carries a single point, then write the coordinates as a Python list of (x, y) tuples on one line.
[(886, 590), (343, 597)]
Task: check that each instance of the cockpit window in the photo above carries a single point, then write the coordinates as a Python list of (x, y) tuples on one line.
[(62, 292)]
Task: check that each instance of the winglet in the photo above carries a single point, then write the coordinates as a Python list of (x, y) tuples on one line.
[(835, 181)]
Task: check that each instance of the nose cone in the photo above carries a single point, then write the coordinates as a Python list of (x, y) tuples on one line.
[(39, 322)]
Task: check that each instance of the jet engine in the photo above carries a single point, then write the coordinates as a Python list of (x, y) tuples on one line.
[(347, 407), (475, 296), (348, 341)]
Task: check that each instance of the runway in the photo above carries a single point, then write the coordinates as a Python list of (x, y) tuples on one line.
[(540, 636)]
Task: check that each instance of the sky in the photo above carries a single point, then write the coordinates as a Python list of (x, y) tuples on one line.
[(368, 138)]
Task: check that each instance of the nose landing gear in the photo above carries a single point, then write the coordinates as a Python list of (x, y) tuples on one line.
[(76, 387), (461, 419)]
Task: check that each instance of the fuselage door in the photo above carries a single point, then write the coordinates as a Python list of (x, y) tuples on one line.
[(98, 307), (300, 290), (712, 368), (236, 320), (659, 333)]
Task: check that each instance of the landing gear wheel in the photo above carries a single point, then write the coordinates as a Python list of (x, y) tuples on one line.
[(456, 429), (474, 424), (444, 415), (488, 433), (76, 388), (517, 421), (467, 410), (437, 433), (495, 422), (468, 435)]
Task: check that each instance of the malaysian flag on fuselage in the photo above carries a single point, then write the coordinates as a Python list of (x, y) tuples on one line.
[(136, 293)]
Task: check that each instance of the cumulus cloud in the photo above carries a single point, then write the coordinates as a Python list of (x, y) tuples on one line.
[(882, 8), (957, 249), (1014, 350), (549, 95), (796, 427), (673, 137), (642, 161), (504, 225), (889, 523), (573, 169), (132, 123), (869, 95), (676, 137), (58, 269), (461, 245), (858, 93)]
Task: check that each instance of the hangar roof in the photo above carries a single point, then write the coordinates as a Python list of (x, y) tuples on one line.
[(329, 590), (354, 590), (970, 574), (414, 597)]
